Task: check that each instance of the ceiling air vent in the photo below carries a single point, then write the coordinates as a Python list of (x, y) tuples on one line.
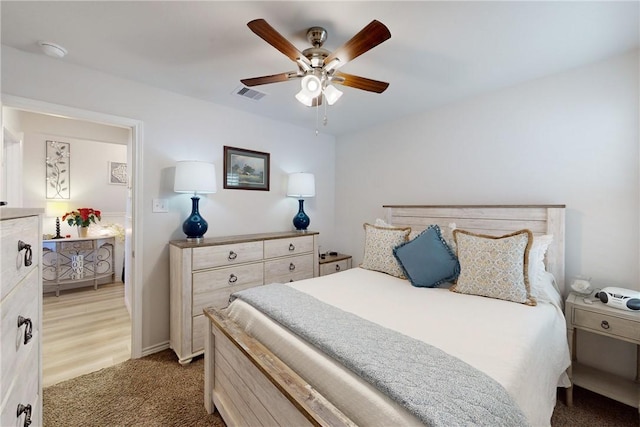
[(245, 92)]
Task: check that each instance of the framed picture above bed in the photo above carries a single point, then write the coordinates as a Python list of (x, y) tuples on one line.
[(246, 169)]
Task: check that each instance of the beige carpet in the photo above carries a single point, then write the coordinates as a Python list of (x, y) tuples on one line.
[(157, 391), (151, 391)]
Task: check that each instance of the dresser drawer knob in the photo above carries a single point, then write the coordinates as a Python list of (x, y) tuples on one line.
[(291, 247), (28, 330), (337, 267), (28, 255), (233, 279), (26, 410), (232, 255), (292, 266), (605, 324)]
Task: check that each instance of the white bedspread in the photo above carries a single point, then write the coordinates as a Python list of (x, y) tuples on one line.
[(523, 348)]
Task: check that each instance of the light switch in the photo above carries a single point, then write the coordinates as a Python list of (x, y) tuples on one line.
[(160, 205)]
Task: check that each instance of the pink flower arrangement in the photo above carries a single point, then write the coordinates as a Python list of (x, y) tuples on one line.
[(82, 217)]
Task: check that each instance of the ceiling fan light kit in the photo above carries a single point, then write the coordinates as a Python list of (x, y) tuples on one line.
[(317, 67)]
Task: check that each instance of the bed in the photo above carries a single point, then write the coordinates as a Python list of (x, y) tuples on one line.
[(258, 373)]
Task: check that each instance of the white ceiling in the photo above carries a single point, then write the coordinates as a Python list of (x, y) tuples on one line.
[(439, 52)]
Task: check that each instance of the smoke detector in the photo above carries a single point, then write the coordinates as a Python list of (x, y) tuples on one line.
[(52, 49)]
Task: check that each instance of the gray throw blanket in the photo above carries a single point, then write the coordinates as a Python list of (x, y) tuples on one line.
[(439, 389)]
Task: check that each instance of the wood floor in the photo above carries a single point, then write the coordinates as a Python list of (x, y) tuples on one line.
[(84, 330)]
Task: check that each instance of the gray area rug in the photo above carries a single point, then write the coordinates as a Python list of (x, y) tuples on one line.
[(157, 391)]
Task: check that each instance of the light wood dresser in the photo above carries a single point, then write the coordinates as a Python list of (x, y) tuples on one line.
[(21, 319), (206, 273)]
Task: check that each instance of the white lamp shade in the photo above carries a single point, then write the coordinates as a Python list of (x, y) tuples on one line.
[(311, 85), (56, 208), (332, 94), (301, 184), (195, 177)]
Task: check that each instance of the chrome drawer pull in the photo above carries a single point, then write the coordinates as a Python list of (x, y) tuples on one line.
[(605, 324), (28, 330), (233, 279), (22, 409), (291, 247), (292, 267), (28, 255), (232, 256), (337, 267)]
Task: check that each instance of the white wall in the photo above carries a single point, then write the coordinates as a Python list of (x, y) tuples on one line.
[(180, 128), (570, 138)]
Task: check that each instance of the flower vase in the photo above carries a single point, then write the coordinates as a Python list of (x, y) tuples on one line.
[(83, 231)]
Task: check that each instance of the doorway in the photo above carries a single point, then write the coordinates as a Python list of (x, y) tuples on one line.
[(133, 232)]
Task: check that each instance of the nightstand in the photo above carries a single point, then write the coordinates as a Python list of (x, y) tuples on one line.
[(601, 319), (334, 263)]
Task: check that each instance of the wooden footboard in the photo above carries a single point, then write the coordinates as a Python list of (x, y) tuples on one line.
[(249, 385)]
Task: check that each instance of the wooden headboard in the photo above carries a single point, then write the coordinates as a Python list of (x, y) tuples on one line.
[(493, 220)]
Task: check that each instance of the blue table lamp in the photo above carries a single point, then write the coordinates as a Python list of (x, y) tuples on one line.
[(301, 185), (197, 178)]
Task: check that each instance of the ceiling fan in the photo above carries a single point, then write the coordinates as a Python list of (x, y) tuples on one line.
[(317, 67)]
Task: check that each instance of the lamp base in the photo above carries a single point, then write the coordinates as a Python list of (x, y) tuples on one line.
[(195, 226), (301, 221), (57, 236)]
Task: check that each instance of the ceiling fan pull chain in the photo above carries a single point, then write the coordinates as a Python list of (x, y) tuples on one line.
[(325, 120), (317, 114)]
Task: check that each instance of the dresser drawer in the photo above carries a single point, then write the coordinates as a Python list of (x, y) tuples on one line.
[(22, 389), (335, 267), (12, 268), (220, 256), (23, 302), (213, 287), (608, 325), (288, 269), (289, 246)]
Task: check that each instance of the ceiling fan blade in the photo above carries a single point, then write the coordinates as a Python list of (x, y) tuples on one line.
[(275, 39), (360, 82), (368, 38), (263, 80)]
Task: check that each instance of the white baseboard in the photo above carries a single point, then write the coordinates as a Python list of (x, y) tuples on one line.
[(155, 349)]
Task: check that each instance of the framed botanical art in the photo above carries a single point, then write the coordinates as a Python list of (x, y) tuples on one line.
[(58, 169), (118, 173), (246, 169)]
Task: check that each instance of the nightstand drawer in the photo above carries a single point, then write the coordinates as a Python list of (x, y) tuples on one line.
[(608, 325), (335, 267)]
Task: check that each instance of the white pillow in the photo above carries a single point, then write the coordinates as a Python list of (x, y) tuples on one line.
[(536, 262)]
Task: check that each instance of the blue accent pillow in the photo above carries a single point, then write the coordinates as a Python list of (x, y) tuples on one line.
[(427, 260)]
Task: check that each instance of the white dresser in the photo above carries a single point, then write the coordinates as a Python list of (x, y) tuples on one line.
[(21, 317), (205, 274)]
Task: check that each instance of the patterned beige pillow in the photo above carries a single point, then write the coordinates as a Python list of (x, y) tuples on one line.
[(494, 266), (378, 248)]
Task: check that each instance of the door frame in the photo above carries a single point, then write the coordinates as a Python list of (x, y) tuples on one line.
[(134, 210)]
